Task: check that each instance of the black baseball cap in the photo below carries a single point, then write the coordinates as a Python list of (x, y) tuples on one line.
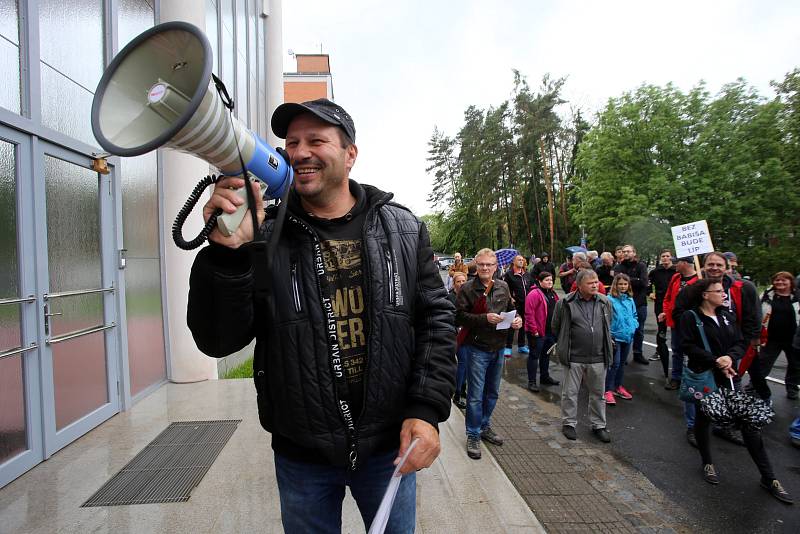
[(687, 259), (328, 111)]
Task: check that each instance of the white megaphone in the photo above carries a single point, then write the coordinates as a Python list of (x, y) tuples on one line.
[(158, 92)]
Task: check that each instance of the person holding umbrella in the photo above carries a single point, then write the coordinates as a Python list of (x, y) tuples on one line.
[(712, 341)]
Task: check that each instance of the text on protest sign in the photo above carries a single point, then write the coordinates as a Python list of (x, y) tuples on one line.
[(692, 239)]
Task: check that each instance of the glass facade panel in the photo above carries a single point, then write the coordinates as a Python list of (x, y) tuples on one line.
[(228, 50), (261, 69), (9, 20), (241, 89), (139, 178), (13, 438), (9, 270), (73, 226), (79, 377), (252, 59), (72, 39), (135, 16), (74, 119), (145, 325), (212, 31), (241, 59), (73, 236), (146, 354), (9, 56)]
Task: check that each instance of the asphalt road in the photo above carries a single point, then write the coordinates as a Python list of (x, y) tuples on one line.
[(649, 433)]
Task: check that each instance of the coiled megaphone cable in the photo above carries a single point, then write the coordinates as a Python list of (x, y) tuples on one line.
[(194, 196), (180, 219)]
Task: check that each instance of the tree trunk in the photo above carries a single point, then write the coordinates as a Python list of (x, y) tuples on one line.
[(559, 161), (527, 224), (537, 205), (549, 186), (506, 201)]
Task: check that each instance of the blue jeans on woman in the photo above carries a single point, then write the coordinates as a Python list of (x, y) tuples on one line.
[(483, 388), (616, 371), (311, 494), (538, 357)]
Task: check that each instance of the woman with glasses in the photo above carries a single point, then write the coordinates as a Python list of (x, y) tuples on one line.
[(726, 346)]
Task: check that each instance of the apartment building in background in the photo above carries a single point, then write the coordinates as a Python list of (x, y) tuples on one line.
[(312, 80)]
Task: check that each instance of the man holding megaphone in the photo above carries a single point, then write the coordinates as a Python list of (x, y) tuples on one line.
[(354, 332)]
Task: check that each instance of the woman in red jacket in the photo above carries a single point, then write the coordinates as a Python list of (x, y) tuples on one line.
[(539, 305)]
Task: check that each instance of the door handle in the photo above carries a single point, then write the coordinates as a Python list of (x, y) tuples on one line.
[(47, 316)]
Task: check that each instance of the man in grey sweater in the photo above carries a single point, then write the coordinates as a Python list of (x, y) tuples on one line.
[(582, 325)]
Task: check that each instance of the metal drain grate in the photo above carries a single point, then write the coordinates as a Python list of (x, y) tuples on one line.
[(169, 468)]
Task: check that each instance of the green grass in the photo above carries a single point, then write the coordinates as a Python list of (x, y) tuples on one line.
[(245, 370)]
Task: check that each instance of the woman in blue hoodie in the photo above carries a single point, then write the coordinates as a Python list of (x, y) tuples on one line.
[(624, 323)]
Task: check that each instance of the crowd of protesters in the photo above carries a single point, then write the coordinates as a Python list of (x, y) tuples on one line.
[(709, 320)]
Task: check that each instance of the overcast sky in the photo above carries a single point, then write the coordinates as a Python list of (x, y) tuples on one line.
[(402, 67)]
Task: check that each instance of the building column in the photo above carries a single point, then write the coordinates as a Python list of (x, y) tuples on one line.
[(180, 173), (274, 66)]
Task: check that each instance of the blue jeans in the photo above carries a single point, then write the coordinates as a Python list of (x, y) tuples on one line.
[(794, 429), (677, 354), (311, 494), (689, 412), (483, 388), (617, 370), (538, 357), (463, 364), (638, 336)]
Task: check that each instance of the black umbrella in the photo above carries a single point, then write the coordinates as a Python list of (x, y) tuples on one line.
[(726, 406)]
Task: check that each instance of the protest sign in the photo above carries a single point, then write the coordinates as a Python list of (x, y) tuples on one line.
[(692, 239)]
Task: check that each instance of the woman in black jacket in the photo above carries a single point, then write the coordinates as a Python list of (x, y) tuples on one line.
[(727, 348)]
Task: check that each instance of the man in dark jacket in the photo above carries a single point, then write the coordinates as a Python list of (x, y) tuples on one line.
[(659, 282), (354, 332), (478, 309), (544, 265), (637, 272)]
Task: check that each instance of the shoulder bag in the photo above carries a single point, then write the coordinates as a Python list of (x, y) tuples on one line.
[(695, 386)]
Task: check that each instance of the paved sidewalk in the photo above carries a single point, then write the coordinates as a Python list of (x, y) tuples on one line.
[(238, 494), (574, 486)]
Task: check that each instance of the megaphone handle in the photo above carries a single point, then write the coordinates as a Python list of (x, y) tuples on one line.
[(228, 223)]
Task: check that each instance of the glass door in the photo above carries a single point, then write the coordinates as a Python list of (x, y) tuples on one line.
[(20, 412), (79, 316)]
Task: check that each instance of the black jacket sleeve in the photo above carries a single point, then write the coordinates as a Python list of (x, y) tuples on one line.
[(639, 279), (220, 308), (692, 345), (751, 312), (434, 368)]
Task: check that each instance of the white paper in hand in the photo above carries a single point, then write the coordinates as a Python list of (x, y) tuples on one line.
[(505, 324), (385, 509)]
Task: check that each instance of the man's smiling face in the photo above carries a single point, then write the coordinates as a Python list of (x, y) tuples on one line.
[(319, 160)]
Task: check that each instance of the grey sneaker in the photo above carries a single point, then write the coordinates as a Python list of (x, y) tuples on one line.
[(710, 474), (487, 434), (474, 447), (776, 490)]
